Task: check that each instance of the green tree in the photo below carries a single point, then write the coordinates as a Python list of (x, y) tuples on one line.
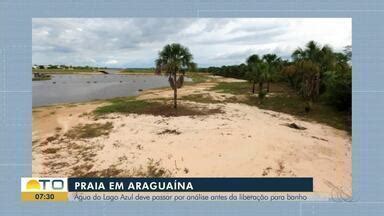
[(274, 65), (263, 76), (338, 82), (253, 63), (339, 89), (290, 72), (312, 63), (174, 59), (193, 67), (310, 81), (259, 71)]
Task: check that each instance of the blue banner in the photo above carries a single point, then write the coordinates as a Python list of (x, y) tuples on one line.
[(191, 184)]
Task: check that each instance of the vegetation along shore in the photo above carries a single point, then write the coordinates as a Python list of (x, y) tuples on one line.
[(265, 117)]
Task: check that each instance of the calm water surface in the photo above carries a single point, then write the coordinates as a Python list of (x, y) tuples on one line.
[(79, 88)]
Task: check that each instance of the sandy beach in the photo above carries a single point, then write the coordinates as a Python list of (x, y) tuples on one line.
[(241, 141)]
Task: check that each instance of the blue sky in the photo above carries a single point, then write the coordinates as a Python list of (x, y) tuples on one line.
[(135, 42)]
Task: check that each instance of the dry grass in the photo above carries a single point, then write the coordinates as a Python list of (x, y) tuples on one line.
[(112, 171), (168, 131), (81, 170), (89, 130), (152, 169), (52, 138), (58, 165), (284, 99), (51, 150)]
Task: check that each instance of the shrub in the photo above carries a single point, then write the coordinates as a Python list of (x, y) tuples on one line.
[(339, 90)]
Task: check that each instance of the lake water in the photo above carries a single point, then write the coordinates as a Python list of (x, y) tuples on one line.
[(79, 88)]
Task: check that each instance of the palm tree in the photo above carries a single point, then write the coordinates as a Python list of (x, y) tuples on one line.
[(263, 76), (274, 64), (253, 59), (311, 52), (253, 62), (309, 80), (175, 59), (312, 63), (260, 70), (311, 77)]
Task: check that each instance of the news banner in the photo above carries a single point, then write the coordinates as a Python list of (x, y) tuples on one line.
[(165, 189)]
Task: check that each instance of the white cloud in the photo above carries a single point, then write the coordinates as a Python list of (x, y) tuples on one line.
[(111, 62), (135, 42)]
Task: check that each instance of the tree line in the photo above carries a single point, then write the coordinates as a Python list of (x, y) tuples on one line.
[(50, 66), (316, 72)]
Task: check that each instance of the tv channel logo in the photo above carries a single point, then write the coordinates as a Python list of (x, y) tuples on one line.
[(29, 184)]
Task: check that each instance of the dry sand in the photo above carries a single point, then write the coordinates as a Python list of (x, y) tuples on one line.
[(244, 141)]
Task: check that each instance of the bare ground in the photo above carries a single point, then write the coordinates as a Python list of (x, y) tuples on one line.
[(242, 141)]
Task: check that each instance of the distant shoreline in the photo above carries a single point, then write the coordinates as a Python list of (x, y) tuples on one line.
[(91, 70), (64, 71)]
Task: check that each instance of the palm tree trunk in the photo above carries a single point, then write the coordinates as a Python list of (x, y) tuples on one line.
[(260, 86), (253, 87), (175, 93), (268, 86)]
